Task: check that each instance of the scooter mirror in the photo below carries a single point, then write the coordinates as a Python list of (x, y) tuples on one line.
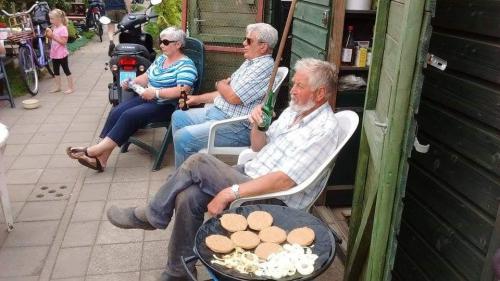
[(155, 2), (104, 20)]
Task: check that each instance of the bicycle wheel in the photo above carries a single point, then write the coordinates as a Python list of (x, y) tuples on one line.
[(28, 69), (50, 68), (98, 26)]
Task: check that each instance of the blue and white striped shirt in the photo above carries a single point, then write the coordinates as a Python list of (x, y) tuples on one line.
[(249, 82), (182, 72)]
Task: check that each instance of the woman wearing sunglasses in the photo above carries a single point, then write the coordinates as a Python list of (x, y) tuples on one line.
[(163, 81)]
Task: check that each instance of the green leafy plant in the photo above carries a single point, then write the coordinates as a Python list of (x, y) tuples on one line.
[(72, 32), (169, 13)]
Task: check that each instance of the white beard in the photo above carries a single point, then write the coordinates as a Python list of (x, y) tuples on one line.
[(299, 109)]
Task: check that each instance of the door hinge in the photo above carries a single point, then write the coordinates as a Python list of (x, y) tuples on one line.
[(436, 61)]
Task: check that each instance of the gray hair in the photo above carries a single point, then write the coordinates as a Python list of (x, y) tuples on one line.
[(265, 33), (321, 73), (174, 34)]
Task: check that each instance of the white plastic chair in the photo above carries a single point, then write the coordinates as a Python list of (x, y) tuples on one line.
[(4, 194), (220, 150), (348, 122)]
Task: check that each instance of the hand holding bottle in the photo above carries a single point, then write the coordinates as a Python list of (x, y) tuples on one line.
[(255, 117)]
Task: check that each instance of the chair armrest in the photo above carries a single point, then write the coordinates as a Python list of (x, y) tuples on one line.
[(246, 155), (216, 125), (293, 190)]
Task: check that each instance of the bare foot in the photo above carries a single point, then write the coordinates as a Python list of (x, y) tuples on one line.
[(69, 91), (55, 90)]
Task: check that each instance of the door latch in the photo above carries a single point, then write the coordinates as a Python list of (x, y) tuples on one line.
[(324, 20), (436, 61)]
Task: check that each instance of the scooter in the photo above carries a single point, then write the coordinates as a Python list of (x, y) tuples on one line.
[(132, 56)]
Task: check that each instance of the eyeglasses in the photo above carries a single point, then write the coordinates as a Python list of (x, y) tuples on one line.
[(249, 41), (166, 42)]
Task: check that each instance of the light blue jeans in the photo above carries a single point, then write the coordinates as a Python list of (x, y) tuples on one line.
[(190, 131)]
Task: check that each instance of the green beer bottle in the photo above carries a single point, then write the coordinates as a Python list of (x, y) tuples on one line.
[(267, 111)]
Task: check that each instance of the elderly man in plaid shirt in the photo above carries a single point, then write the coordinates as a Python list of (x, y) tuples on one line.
[(233, 97), (291, 150)]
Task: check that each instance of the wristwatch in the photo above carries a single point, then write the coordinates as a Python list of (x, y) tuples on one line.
[(236, 190)]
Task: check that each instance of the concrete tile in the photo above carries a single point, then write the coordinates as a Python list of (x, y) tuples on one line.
[(162, 174), (51, 191), (94, 192), (152, 275), (13, 149), (115, 258), (126, 160), (80, 234), (40, 149), (54, 175), (31, 162), (122, 204), (19, 138), (131, 174), (28, 119), (25, 176), (127, 276), (72, 262), (64, 109), (154, 255), (46, 210), (84, 118), (70, 279), (110, 234), (82, 127), (22, 278), (129, 190), (154, 186), (47, 137), (8, 161), (202, 272), (22, 261), (159, 234), (24, 128), (88, 211), (16, 209), (59, 118), (93, 176), (53, 128), (19, 192), (97, 110), (60, 161), (37, 233), (86, 136)]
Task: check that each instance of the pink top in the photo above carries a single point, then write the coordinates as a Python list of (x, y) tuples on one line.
[(57, 50)]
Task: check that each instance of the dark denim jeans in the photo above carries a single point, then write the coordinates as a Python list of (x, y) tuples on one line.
[(189, 191)]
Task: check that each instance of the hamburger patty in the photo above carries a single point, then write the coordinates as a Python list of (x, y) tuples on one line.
[(245, 239), (265, 249), (233, 222), (259, 220), (272, 234), (219, 243), (303, 236)]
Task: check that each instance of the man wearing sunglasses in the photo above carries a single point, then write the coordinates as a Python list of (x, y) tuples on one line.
[(233, 97)]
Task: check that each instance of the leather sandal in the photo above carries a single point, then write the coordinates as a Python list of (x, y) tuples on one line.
[(72, 150), (94, 166)]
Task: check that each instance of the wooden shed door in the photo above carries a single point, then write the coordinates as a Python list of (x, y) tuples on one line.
[(451, 206), (310, 30), (381, 164)]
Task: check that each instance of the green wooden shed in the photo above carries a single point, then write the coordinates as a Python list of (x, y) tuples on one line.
[(430, 213)]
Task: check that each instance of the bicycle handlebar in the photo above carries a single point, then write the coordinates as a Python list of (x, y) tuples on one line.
[(24, 12)]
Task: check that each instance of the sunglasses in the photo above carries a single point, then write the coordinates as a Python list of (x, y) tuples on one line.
[(166, 42), (250, 41)]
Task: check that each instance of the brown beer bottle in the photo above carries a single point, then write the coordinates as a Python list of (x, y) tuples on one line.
[(183, 99)]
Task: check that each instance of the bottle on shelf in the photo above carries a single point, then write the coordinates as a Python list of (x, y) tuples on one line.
[(183, 99), (349, 50)]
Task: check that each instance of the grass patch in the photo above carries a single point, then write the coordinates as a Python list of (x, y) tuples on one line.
[(80, 41)]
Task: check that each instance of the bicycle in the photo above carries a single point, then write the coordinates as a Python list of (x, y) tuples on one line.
[(23, 30), (94, 14)]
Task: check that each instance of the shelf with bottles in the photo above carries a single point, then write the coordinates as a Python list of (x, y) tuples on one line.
[(354, 68)]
